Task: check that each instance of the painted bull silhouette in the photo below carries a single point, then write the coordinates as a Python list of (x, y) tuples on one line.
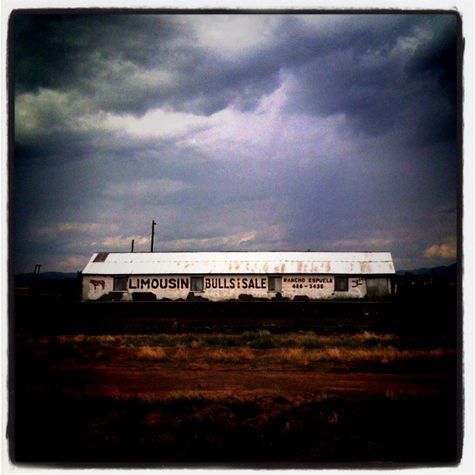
[(96, 283)]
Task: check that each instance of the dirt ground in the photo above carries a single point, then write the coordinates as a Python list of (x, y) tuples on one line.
[(161, 381), (123, 411)]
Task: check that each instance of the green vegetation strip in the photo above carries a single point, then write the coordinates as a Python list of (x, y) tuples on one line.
[(262, 339), (258, 350)]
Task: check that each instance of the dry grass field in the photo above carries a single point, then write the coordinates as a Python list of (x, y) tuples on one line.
[(264, 397)]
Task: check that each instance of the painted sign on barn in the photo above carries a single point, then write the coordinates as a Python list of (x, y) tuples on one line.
[(222, 287)]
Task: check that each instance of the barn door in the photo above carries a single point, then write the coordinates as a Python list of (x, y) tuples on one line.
[(377, 287)]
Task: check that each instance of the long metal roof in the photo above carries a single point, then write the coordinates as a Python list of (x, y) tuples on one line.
[(202, 263)]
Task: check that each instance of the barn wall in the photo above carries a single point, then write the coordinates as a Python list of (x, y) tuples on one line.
[(378, 287), (321, 287), (95, 286), (221, 287)]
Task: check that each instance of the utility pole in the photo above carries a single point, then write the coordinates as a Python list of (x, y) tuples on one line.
[(35, 281), (132, 248), (153, 234)]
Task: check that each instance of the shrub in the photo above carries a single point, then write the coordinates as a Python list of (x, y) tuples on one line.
[(334, 353), (218, 355), (373, 339), (310, 340), (181, 352), (234, 356), (152, 353), (196, 343), (264, 340), (295, 355)]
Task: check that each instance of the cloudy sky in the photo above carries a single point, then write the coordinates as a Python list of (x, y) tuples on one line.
[(327, 132)]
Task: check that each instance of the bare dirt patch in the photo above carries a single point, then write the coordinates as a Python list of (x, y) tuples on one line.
[(131, 380)]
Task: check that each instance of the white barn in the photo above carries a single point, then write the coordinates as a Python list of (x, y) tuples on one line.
[(221, 276)]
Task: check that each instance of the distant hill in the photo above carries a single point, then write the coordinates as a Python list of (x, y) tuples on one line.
[(23, 280), (443, 272)]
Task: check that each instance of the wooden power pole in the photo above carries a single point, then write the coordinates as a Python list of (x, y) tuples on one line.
[(153, 234)]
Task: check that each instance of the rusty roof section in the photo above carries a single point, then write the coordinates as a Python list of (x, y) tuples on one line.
[(203, 263)]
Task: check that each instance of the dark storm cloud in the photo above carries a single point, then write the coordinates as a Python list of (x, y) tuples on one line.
[(364, 76), (59, 50), (340, 70), (86, 52), (435, 63), (82, 52), (437, 57), (63, 146)]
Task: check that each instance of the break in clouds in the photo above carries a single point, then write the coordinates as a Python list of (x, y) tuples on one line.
[(327, 132)]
